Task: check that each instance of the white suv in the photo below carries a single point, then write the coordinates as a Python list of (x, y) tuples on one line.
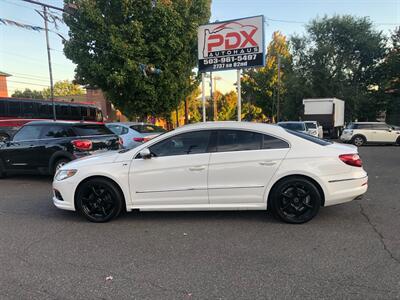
[(360, 133)]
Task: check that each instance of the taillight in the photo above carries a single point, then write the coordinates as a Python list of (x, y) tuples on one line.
[(351, 159), (138, 139), (83, 145)]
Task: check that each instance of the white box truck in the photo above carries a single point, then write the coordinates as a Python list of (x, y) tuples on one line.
[(329, 112)]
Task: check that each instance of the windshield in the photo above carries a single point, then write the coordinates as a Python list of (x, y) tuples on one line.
[(311, 125), (310, 138), (145, 128), (293, 126)]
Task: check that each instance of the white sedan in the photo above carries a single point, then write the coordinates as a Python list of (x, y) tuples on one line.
[(215, 166)]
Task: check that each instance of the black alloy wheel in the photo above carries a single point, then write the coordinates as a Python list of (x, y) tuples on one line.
[(99, 200), (295, 200)]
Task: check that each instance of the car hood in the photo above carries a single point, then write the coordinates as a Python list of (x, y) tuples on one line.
[(95, 159)]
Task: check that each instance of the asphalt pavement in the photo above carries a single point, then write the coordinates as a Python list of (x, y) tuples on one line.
[(348, 251)]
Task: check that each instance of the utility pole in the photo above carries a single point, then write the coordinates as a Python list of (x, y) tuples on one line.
[(44, 16), (278, 90), (211, 93), (215, 104), (49, 60)]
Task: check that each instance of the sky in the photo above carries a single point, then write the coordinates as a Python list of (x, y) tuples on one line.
[(23, 52)]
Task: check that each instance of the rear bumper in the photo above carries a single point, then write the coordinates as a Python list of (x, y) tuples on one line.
[(346, 189)]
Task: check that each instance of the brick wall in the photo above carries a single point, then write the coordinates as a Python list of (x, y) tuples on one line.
[(3, 87)]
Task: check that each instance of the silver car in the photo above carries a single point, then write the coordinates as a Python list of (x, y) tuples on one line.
[(133, 134)]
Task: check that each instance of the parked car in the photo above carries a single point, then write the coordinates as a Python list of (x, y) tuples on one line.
[(134, 134), (360, 133), (45, 146), (313, 128), (294, 125), (215, 166)]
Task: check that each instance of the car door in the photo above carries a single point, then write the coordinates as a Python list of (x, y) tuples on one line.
[(176, 174), (242, 166), (23, 151), (384, 133)]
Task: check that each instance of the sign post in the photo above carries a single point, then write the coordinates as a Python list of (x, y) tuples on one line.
[(239, 93), (203, 95), (231, 45)]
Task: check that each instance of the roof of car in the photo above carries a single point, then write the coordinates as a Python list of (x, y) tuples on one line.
[(129, 123), (368, 122), (51, 122), (286, 122)]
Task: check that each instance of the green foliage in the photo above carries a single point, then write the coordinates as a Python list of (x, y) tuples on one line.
[(64, 88), (260, 86), (338, 57), (27, 93), (108, 40)]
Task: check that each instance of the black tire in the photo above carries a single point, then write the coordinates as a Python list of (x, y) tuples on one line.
[(2, 170), (4, 137), (358, 140), (398, 141), (295, 200), (99, 200), (58, 164)]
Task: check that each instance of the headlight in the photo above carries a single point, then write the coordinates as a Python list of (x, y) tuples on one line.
[(64, 174)]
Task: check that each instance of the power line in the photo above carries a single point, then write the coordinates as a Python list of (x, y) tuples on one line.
[(29, 58), (44, 5), (30, 83)]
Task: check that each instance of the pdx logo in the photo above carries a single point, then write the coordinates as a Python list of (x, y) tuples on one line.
[(230, 39)]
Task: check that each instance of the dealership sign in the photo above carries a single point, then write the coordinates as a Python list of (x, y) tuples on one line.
[(233, 44)]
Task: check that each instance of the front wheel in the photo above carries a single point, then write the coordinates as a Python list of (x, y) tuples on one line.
[(358, 141), (295, 200), (398, 141), (99, 200)]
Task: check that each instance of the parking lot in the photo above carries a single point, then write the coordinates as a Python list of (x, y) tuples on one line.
[(347, 251)]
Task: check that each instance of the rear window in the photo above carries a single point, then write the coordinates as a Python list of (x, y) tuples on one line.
[(311, 125), (310, 138), (293, 126), (148, 128), (92, 129)]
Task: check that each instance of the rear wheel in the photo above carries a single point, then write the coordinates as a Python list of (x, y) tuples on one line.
[(295, 200), (358, 140), (99, 200), (2, 170), (398, 141), (4, 137), (59, 163)]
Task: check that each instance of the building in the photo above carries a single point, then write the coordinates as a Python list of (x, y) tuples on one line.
[(3, 84)]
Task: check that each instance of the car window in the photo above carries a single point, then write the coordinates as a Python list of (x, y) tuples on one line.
[(293, 126), (117, 129), (270, 142), (91, 129), (380, 127), (56, 132), (310, 138), (28, 133), (186, 143), (145, 128), (238, 140), (311, 125)]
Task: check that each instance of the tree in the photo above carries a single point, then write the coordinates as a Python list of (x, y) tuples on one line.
[(389, 73), (338, 57), (260, 86), (27, 93), (64, 88), (111, 41)]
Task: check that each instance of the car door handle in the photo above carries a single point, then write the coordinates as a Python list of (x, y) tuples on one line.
[(267, 163), (197, 168)]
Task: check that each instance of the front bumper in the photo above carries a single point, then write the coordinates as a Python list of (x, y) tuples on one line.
[(65, 190), (346, 137)]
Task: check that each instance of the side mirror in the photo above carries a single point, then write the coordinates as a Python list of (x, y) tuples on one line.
[(145, 153), (390, 129)]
